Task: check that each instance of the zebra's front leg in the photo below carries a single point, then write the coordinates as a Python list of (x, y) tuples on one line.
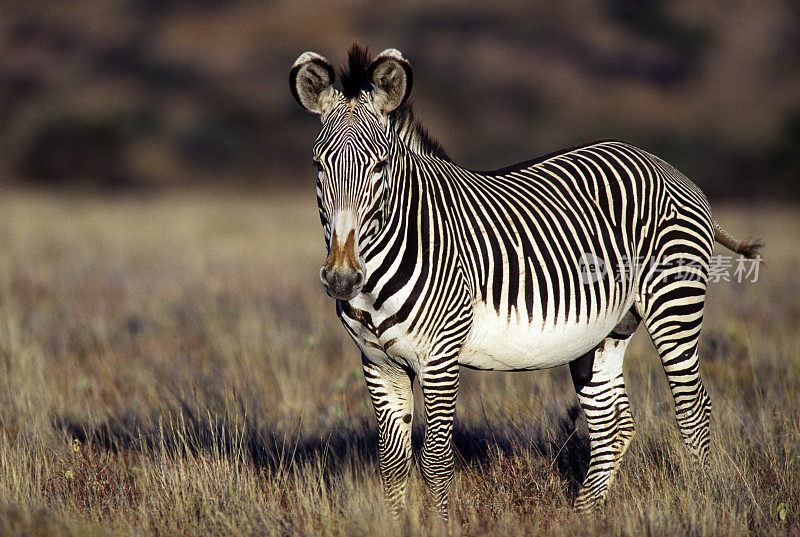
[(393, 399), (439, 383)]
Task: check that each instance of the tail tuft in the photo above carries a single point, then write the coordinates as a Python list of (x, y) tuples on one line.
[(750, 249)]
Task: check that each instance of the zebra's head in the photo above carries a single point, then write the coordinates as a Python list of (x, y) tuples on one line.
[(351, 153)]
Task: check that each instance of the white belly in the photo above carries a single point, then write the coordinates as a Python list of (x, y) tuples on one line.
[(505, 343)]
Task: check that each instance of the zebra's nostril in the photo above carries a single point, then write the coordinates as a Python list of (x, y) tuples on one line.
[(359, 279), (324, 275)]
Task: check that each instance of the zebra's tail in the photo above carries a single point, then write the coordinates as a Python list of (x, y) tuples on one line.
[(749, 249)]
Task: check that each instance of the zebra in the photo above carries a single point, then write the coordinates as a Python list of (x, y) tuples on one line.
[(552, 261)]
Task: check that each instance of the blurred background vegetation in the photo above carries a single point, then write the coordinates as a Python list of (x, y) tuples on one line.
[(142, 95)]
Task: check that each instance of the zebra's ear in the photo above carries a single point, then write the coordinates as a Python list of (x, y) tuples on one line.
[(311, 80), (391, 78)]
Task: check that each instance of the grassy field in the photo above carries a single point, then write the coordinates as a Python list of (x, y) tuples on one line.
[(172, 366)]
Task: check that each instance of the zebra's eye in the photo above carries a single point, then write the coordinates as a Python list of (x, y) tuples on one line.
[(318, 165), (373, 228), (379, 167)]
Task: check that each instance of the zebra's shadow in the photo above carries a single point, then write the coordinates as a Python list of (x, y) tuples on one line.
[(188, 431), (558, 441)]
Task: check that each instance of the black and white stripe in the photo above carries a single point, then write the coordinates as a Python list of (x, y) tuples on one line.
[(488, 270)]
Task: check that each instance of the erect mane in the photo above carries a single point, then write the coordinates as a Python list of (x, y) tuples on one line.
[(354, 75), (355, 79), (414, 135)]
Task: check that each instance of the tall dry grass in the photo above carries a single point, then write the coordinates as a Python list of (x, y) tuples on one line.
[(171, 366)]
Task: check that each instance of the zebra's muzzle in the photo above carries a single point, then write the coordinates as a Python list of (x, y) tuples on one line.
[(342, 285), (343, 272)]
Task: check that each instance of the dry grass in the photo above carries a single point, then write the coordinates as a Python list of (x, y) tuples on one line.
[(171, 366)]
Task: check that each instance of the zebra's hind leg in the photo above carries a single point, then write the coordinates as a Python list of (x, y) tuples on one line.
[(601, 392), (675, 330), (671, 303)]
